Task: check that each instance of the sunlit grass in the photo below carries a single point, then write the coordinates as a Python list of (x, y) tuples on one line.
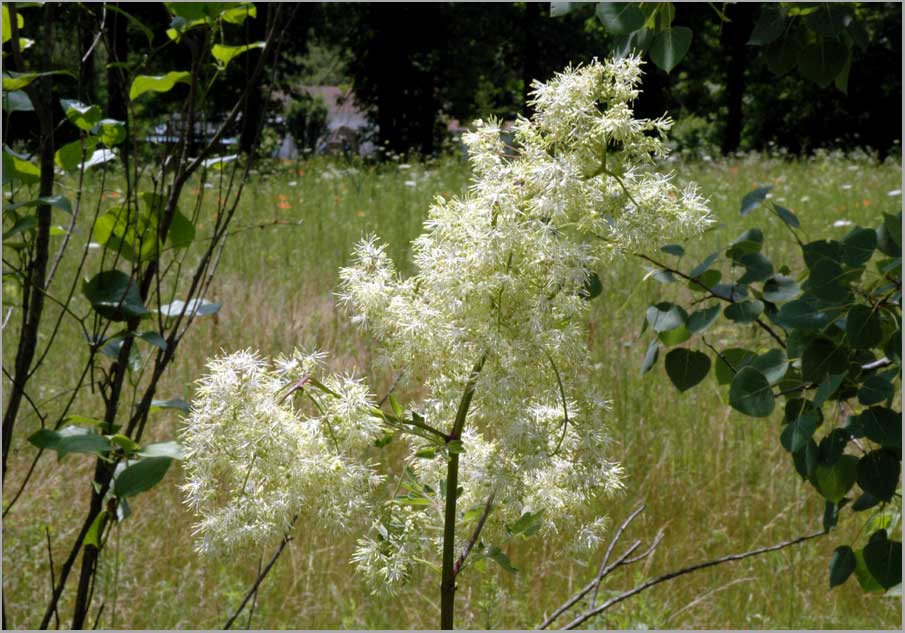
[(719, 482)]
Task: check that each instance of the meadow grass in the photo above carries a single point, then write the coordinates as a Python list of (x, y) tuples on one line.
[(717, 481)]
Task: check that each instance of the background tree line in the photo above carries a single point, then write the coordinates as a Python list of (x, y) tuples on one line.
[(415, 66)]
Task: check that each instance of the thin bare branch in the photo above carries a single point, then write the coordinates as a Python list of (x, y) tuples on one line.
[(262, 574), (488, 506), (685, 570)]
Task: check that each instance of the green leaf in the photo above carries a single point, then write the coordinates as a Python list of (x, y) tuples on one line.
[(757, 268), (112, 132), (16, 168), (806, 313), (863, 327), (673, 249), (859, 245), (182, 231), (17, 101), (822, 357), (71, 439), (159, 83), (114, 295), (686, 368), (751, 241), (878, 424), (141, 476), (878, 473), (94, 533), (7, 30), (779, 289), (171, 449), (828, 386), (822, 252), (772, 364), (832, 446), (701, 319), (23, 225), (125, 443), (787, 216), (397, 408), (528, 524), (893, 347), (744, 311), (665, 316), (865, 579), (59, 201), (893, 226), (17, 81), (806, 460), (736, 359), (70, 156), (836, 480), (769, 26), (782, 55), (155, 339), (705, 281), (753, 199), (822, 61), (238, 15), (670, 46), (884, 561), (751, 394), (197, 307), (875, 389), (620, 18), (499, 557), (829, 18), (225, 54), (842, 565), (650, 357), (830, 515), (674, 336), (173, 403), (698, 270), (797, 433), (81, 115), (592, 287)]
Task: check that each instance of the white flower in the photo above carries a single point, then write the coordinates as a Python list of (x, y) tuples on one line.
[(499, 283)]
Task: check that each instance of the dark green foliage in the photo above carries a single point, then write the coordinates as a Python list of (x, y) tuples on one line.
[(306, 119), (836, 336)]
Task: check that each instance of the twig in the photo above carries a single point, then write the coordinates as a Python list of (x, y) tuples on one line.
[(760, 322), (606, 568), (262, 574), (254, 600), (685, 570), (474, 535), (53, 580)]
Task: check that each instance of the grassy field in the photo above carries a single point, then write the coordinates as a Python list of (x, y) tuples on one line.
[(717, 481)]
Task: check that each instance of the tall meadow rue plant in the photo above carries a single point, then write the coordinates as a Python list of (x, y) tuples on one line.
[(510, 437)]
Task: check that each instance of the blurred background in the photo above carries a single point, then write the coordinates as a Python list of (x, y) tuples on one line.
[(374, 78)]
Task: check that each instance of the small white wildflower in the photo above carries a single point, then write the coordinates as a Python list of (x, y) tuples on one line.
[(894, 193), (839, 224)]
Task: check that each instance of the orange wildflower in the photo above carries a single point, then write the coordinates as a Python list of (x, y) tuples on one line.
[(865, 202), (284, 205)]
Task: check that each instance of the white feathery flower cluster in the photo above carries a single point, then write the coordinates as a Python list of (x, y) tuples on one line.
[(499, 299), (501, 274), (254, 460)]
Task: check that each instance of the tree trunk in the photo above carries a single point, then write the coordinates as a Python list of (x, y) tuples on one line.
[(732, 43), (119, 52)]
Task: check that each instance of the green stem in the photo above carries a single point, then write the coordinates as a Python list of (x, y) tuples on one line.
[(448, 582)]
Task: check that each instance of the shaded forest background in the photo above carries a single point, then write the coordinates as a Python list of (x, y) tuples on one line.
[(415, 67)]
